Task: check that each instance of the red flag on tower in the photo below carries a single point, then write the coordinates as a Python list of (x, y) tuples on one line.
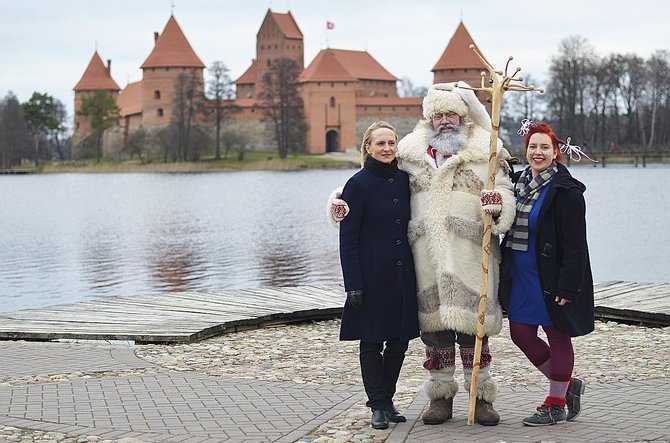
[(330, 25)]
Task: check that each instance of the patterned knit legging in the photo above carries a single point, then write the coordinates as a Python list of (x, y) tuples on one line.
[(559, 350)]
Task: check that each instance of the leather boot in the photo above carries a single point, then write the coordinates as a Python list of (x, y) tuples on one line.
[(485, 415), (439, 411), (395, 416), (379, 419)]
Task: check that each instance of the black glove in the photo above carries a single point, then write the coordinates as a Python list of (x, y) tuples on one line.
[(355, 298)]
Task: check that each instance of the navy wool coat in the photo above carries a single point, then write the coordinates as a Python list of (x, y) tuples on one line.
[(562, 256), (377, 258)]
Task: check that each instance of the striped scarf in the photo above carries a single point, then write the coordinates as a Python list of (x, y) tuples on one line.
[(529, 190)]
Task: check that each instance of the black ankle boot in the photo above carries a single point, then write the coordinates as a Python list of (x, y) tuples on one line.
[(395, 416), (379, 419)]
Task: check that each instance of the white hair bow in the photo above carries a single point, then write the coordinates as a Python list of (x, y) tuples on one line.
[(574, 152), (525, 127)]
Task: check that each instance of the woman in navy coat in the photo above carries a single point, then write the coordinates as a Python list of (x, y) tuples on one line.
[(378, 270), (545, 277)]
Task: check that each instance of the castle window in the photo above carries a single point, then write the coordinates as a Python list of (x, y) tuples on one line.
[(269, 62), (157, 95), (77, 125), (262, 47), (332, 102), (159, 112), (332, 85)]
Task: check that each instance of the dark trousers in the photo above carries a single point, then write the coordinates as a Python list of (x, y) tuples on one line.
[(380, 368)]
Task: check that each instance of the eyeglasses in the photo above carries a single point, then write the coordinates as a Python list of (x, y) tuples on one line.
[(442, 116)]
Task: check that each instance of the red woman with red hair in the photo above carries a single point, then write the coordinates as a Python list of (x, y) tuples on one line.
[(545, 277)]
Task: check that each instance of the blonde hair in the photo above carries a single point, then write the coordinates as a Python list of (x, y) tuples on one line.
[(368, 135)]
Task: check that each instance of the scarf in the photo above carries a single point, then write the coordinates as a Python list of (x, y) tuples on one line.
[(379, 169), (528, 189)]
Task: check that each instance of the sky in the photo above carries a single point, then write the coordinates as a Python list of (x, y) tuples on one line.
[(45, 45)]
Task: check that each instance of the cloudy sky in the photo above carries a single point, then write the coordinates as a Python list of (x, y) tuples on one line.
[(45, 45)]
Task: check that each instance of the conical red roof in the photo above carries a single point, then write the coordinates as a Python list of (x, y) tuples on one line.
[(458, 54), (345, 65), (96, 76), (172, 50)]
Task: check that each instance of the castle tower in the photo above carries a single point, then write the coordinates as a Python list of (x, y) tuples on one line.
[(171, 57), (459, 62), (331, 87), (278, 37), (96, 76)]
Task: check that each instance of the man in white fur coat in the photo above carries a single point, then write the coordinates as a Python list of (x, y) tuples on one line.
[(446, 157)]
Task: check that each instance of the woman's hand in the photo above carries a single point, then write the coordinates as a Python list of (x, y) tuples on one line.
[(561, 301), (355, 298)]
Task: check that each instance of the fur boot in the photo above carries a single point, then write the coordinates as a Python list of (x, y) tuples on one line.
[(440, 388), (486, 394)]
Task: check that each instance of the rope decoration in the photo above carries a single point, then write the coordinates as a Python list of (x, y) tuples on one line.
[(574, 152), (525, 127)]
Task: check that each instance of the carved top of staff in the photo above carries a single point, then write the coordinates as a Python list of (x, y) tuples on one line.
[(501, 80)]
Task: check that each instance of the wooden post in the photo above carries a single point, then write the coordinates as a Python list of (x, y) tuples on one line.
[(501, 82)]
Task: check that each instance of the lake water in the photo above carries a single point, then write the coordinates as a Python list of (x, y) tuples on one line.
[(73, 237)]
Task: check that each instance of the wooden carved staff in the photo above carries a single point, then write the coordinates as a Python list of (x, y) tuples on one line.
[(500, 82)]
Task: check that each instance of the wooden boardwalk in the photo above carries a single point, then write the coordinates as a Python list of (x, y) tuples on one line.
[(191, 316)]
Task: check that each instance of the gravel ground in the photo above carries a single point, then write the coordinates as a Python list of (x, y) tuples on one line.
[(312, 353)]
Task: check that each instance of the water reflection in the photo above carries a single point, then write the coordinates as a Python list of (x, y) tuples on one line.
[(89, 235)]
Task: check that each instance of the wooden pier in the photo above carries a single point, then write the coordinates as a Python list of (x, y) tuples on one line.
[(192, 316)]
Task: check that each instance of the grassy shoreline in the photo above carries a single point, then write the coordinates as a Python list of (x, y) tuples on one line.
[(253, 161)]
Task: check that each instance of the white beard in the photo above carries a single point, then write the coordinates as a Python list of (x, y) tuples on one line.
[(448, 143)]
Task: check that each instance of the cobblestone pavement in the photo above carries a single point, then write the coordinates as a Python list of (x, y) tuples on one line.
[(299, 383)]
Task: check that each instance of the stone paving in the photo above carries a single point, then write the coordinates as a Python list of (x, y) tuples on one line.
[(299, 384)]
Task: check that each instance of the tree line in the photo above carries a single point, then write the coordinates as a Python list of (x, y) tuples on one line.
[(616, 102)]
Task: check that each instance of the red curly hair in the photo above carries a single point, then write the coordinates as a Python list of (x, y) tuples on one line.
[(543, 128)]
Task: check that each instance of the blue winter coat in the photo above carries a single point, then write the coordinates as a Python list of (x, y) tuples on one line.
[(562, 255), (377, 258)]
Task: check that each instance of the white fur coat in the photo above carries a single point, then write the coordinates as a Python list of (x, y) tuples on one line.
[(446, 230)]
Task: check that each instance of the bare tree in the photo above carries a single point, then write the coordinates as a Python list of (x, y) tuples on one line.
[(14, 138), (188, 103), (631, 85), (407, 89), (135, 143), (659, 83), (568, 71), (57, 132), (283, 106), (221, 93)]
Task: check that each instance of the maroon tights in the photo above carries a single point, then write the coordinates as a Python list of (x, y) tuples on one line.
[(555, 360)]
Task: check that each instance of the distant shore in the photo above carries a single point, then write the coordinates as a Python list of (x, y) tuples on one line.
[(252, 161), (267, 161)]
